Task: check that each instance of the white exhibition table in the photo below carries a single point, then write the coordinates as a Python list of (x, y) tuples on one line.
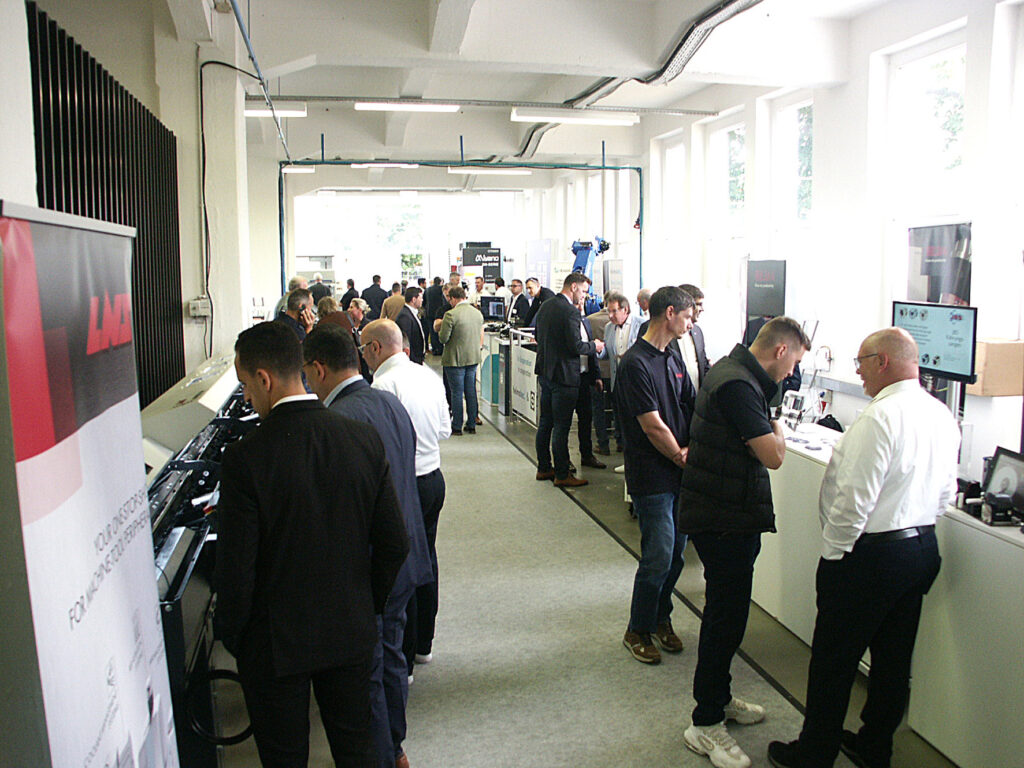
[(968, 674)]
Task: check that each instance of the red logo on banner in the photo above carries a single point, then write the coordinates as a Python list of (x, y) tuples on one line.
[(117, 323)]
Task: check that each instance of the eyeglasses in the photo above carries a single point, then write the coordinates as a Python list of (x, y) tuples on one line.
[(856, 360)]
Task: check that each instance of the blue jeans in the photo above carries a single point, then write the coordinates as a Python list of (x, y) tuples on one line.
[(557, 403), (728, 560), (462, 381), (661, 561), (389, 682)]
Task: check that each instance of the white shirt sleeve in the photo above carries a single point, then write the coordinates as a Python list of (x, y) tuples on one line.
[(852, 484)]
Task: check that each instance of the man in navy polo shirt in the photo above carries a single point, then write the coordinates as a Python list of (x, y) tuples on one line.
[(655, 396)]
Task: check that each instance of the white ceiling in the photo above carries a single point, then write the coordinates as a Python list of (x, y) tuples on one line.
[(517, 50)]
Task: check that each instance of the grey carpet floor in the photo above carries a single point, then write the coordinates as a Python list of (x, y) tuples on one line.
[(529, 669)]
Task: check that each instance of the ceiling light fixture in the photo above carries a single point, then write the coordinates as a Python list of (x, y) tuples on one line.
[(298, 169), (488, 170), (361, 166), (574, 116), (404, 106), (282, 108)]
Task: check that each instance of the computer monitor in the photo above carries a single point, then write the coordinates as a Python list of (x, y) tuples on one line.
[(946, 337), (493, 307), (1005, 477)]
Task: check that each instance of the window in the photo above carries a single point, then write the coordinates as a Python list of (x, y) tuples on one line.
[(737, 167), (926, 129), (793, 162), (726, 177)]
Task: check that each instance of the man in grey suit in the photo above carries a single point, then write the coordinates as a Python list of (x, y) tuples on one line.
[(331, 365), (461, 330)]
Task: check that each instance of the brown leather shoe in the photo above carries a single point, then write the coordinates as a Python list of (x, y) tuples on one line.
[(592, 461), (547, 474), (641, 647), (402, 761), (571, 481)]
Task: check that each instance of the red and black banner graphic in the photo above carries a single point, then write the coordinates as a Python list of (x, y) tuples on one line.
[(69, 347)]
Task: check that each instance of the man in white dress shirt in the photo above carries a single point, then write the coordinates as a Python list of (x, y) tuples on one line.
[(890, 476), (422, 393)]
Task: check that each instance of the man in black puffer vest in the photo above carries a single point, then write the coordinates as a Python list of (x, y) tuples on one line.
[(724, 505)]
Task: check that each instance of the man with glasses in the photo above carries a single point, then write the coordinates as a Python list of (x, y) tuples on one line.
[(891, 474)]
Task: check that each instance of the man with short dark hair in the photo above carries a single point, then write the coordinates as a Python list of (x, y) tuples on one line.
[(725, 504), (655, 397), (350, 294), (393, 304), (891, 474), (561, 356), (299, 314), (692, 345), (374, 295), (307, 552), (331, 365), (409, 321), (518, 304), (433, 299), (538, 295)]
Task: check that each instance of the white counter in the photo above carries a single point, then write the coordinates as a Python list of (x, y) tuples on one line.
[(968, 674)]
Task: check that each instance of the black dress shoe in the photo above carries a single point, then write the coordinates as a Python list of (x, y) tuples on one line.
[(784, 754), (469, 430), (591, 461), (456, 431), (848, 745), (602, 451)]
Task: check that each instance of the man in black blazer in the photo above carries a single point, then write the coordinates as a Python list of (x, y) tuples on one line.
[(433, 298), (350, 294), (374, 295), (331, 364), (310, 540), (519, 306), (539, 294), (409, 321), (559, 349)]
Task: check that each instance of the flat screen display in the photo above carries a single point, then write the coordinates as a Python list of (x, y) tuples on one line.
[(493, 307), (946, 337)]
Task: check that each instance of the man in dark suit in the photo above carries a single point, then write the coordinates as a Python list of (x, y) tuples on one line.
[(692, 346), (318, 290), (307, 553), (374, 295), (350, 294), (409, 321), (559, 349), (539, 295), (433, 298), (331, 364), (519, 305)]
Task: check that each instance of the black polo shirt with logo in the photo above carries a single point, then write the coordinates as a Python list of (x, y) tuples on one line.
[(649, 380)]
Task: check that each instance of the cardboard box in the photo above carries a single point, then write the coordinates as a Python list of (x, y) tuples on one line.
[(999, 364)]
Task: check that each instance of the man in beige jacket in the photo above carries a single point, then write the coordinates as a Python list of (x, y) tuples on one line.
[(461, 330)]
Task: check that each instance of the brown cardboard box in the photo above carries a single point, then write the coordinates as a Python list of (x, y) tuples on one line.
[(999, 364)]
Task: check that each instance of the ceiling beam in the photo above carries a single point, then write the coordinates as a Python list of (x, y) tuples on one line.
[(448, 22)]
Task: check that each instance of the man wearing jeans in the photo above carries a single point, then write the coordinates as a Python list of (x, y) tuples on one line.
[(725, 504), (562, 357), (656, 397), (462, 333)]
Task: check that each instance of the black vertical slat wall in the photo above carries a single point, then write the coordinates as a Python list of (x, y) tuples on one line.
[(101, 153)]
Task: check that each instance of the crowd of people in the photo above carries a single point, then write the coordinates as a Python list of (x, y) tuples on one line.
[(344, 476)]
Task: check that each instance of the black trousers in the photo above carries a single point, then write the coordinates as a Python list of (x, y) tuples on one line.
[(585, 417), (869, 599), (421, 612), (279, 711), (728, 560)]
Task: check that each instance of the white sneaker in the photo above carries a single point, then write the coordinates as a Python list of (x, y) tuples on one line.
[(744, 712), (715, 742), (423, 658)]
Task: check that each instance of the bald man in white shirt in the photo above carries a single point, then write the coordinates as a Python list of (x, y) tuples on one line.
[(891, 474)]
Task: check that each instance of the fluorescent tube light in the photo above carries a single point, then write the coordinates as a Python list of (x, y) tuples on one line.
[(574, 116), (489, 171), (299, 169), (404, 106), (282, 108), (360, 166)]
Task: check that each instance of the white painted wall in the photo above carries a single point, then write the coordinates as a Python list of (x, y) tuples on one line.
[(17, 145)]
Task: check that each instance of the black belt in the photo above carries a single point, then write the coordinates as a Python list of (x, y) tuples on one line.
[(901, 533)]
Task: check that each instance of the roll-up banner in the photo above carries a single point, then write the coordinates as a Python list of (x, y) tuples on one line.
[(81, 493)]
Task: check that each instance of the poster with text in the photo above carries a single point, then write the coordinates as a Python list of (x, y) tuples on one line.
[(82, 496)]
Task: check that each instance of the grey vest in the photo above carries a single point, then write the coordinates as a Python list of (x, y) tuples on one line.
[(724, 487)]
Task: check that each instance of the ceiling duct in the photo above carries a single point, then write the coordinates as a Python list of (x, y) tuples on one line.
[(681, 55)]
